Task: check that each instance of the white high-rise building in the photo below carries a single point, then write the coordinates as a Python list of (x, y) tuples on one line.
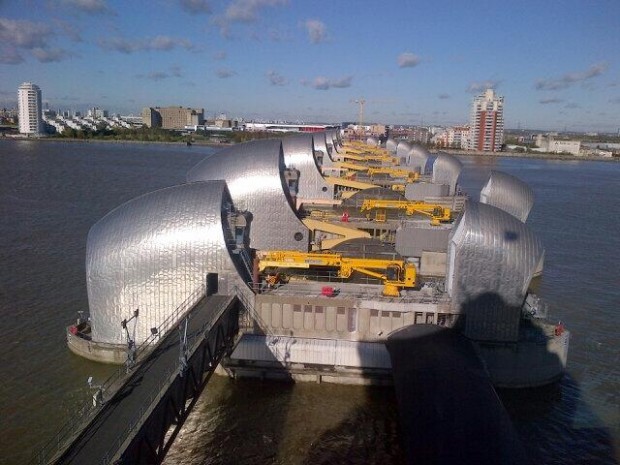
[(30, 109), (487, 122)]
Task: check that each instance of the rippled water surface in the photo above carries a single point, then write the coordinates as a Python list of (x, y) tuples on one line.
[(51, 193)]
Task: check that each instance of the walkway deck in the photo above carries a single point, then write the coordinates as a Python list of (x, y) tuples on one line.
[(123, 415)]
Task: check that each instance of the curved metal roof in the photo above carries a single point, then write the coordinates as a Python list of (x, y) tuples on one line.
[(320, 150), (153, 253), (446, 170), (492, 257), (331, 137), (418, 157), (254, 174), (372, 141), (391, 145), (403, 148), (299, 154), (320, 145), (508, 193)]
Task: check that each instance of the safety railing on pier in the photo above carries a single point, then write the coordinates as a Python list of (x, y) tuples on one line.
[(366, 288), (133, 425), (84, 413)]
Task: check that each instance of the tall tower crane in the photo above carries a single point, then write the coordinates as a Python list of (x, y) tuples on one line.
[(361, 102)]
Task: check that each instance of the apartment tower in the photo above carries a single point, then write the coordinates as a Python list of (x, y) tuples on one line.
[(30, 109), (487, 122)]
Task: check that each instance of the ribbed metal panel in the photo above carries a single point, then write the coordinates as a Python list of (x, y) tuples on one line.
[(372, 141), (391, 145), (337, 145), (362, 355), (154, 252), (320, 145), (299, 154), (446, 170), (403, 148), (321, 154), (508, 193), (492, 257), (417, 157), (254, 174), (327, 352)]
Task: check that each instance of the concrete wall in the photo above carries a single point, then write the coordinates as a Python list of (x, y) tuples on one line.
[(341, 319)]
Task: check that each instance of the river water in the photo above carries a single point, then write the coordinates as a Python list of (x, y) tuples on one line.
[(51, 193)]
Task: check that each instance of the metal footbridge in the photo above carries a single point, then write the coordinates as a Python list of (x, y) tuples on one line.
[(135, 417)]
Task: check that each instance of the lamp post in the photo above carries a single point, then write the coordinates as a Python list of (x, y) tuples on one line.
[(131, 340)]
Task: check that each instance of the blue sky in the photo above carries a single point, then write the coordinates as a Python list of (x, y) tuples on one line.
[(556, 62)]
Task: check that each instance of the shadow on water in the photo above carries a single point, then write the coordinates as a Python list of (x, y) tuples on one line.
[(442, 399), (556, 425), (369, 434), (450, 413)]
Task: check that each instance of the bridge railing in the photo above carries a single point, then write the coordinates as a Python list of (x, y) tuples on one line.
[(106, 390), (134, 424)]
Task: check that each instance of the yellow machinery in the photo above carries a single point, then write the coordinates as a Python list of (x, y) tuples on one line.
[(410, 176), (437, 213), (347, 156), (395, 274), (345, 188)]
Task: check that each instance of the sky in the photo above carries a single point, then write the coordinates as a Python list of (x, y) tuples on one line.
[(555, 62)]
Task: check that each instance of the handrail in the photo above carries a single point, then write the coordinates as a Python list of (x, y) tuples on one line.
[(156, 394), (87, 411)]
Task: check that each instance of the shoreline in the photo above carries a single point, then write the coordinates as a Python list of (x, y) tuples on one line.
[(112, 141), (532, 156)]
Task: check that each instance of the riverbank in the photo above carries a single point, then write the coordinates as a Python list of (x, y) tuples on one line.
[(113, 141), (465, 153), (532, 156)]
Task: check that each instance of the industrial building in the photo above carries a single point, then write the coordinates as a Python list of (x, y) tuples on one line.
[(331, 247), (172, 117)]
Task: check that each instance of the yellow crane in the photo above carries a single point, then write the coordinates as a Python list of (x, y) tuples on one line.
[(395, 274), (410, 176), (437, 213), (377, 157)]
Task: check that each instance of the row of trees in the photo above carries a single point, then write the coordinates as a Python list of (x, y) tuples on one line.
[(146, 134)]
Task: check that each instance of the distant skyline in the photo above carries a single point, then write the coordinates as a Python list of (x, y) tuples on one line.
[(556, 63)]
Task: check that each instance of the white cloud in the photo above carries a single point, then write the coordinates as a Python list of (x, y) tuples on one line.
[(89, 6), (196, 6), (317, 32), (10, 56), (51, 55), (276, 79), (24, 34), (168, 43), (323, 83), (175, 71), (481, 86), (225, 73), (571, 78), (408, 60), (161, 43), (547, 101), (243, 11)]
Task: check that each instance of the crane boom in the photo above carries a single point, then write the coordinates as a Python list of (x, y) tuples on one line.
[(437, 213), (395, 274)]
